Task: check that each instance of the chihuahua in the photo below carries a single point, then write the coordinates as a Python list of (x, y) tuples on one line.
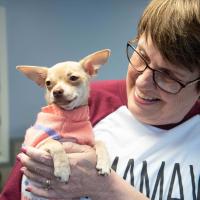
[(66, 116)]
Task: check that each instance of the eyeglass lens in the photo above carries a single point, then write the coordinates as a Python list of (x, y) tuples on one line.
[(161, 79)]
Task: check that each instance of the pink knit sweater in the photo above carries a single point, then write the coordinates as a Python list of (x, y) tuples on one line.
[(61, 125)]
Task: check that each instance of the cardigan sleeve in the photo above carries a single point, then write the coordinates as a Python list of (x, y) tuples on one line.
[(106, 97), (12, 188)]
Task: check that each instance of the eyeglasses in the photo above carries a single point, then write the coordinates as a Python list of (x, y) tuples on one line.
[(161, 79)]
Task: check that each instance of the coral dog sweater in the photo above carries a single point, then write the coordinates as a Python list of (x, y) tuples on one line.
[(61, 124)]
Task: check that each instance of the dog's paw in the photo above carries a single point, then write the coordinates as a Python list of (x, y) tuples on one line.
[(62, 172), (60, 159), (61, 166), (103, 168)]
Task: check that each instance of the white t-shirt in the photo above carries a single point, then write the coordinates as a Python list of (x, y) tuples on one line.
[(163, 164)]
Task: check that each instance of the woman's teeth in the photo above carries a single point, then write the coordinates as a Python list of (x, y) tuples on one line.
[(146, 98)]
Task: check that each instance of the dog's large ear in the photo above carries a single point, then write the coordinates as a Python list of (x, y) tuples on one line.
[(94, 61), (35, 73)]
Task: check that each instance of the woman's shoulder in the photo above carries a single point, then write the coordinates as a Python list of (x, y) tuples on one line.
[(105, 97)]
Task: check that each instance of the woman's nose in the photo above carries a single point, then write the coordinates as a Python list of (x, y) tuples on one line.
[(145, 79)]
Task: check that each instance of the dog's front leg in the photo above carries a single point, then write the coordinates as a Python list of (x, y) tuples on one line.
[(103, 160), (60, 160)]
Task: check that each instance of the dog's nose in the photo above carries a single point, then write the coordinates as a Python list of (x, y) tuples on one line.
[(58, 93)]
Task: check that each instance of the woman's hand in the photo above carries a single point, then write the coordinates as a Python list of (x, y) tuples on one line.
[(84, 179)]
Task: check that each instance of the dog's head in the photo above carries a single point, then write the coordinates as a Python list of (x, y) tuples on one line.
[(67, 83)]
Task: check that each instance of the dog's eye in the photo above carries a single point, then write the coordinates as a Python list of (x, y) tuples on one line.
[(73, 78), (48, 83)]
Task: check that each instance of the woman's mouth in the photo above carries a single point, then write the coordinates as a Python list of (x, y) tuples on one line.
[(145, 99)]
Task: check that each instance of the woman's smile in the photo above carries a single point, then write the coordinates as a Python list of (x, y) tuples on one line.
[(144, 99)]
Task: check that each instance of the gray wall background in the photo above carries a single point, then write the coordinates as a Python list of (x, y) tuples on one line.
[(44, 32)]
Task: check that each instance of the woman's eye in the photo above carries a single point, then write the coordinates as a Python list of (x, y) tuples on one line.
[(73, 78), (48, 83)]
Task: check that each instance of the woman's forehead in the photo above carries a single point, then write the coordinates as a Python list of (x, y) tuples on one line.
[(157, 60)]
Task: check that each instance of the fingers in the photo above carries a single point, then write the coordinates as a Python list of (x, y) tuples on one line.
[(44, 157), (57, 191), (37, 178), (35, 167), (41, 192), (38, 155)]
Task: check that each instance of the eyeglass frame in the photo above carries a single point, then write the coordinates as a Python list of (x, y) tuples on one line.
[(182, 85)]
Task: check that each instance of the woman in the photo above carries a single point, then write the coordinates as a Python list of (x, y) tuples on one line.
[(150, 123)]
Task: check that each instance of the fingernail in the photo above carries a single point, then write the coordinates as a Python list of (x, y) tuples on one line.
[(18, 157), (28, 189), (22, 169), (23, 149)]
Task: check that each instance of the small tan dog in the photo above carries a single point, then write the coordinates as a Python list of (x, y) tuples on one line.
[(66, 117)]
